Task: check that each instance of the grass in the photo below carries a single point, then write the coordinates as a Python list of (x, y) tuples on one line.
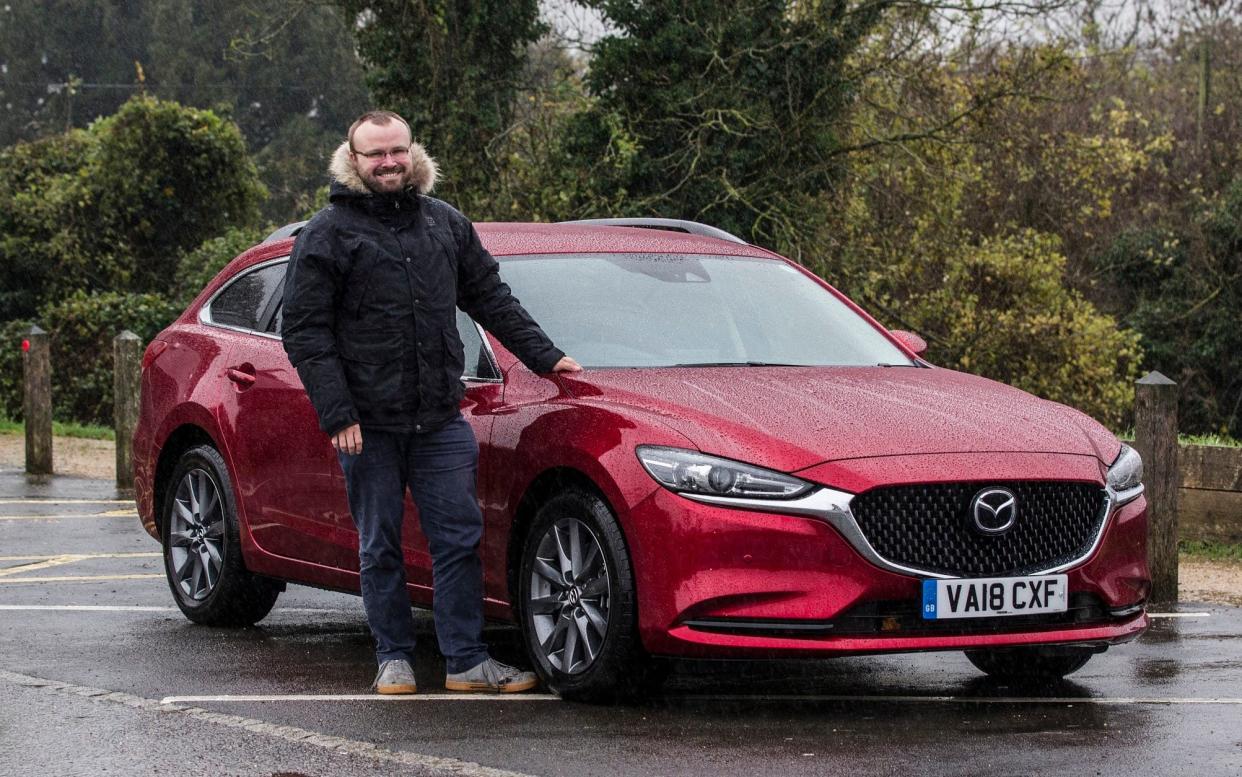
[(1127, 435), (1211, 550), (62, 429)]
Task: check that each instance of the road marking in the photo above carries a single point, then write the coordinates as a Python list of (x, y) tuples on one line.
[(1179, 615), (145, 554), (54, 561), (139, 608), (1066, 700), (53, 501), (362, 697), (76, 578), (450, 767), (67, 515), (85, 608)]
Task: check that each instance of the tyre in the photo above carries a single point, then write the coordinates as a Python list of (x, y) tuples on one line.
[(1031, 664), (576, 601), (202, 546)]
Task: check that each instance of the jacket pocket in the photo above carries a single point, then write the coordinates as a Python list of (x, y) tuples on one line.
[(372, 363)]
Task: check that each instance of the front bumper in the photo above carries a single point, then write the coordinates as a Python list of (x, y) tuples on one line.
[(748, 584)]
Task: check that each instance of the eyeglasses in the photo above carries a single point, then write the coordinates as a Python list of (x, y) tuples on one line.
[(396, 153)]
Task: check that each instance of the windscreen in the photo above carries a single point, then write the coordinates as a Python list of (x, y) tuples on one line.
[(667, 310)]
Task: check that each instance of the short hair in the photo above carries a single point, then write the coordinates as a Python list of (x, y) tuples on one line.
[(376, 117)]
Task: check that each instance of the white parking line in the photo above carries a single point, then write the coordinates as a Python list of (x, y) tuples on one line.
[(1063, 700), (138, 608), (1179, 615), (54, 501), (362, 697), (128, 514)]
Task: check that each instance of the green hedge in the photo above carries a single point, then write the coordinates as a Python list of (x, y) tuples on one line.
[(81, 328)]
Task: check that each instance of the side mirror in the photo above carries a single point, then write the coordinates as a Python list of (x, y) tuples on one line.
[(910, 340)]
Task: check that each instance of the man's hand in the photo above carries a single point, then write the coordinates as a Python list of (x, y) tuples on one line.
[(348, 440), (566, 364)]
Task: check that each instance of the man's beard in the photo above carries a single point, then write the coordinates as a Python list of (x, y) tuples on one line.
[(387, 185)]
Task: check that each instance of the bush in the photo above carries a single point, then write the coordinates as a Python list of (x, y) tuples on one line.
[(198, 267), (81, 329), (999, 307)]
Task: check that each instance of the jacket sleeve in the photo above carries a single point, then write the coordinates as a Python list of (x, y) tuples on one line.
[(487, 299), (313, 284)]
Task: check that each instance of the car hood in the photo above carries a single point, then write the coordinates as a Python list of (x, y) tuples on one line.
[(790, 418)]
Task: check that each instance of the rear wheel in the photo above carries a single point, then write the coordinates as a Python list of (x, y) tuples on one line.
[(202, 546), (1031, 664), (576, 594)]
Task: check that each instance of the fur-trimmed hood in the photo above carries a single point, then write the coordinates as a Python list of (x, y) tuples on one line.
[(423, 169)]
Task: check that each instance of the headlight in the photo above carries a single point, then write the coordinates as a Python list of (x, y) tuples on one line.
[(1126, 474), (696, 473)]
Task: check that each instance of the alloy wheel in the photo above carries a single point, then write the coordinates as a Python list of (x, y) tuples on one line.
[(569, 596), (196, 535)]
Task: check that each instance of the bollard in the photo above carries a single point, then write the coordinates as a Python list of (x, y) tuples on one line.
[(1155, 439), (37, 401), (126, 385)]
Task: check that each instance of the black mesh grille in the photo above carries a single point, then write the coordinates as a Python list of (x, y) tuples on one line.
[(930, 527)]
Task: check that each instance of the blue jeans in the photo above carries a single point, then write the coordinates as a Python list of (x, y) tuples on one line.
[(439, 468)]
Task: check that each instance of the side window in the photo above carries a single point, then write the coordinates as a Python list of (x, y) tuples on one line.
[(249, 301), (478, 361)]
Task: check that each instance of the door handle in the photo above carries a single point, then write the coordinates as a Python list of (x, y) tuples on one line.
[(242, 378)]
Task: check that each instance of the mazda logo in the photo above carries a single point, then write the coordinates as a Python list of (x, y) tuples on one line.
[(995, 510)]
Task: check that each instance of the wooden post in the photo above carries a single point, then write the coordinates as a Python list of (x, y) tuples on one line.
[(1155, 439), (126, 385), (37, 401)]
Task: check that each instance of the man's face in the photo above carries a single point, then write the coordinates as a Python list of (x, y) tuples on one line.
[(383, 172)]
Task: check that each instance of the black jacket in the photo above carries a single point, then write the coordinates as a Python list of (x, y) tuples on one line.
[(369, 317)]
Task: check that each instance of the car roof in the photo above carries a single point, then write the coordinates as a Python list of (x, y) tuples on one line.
[(513, 238)]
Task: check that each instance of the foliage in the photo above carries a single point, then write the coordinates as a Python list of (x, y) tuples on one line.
[(265, 64), (1211, 549), (164, 179), (726, 113), (1182, 290), (43, 216), (451, 69), (80, 328), (197, 268), (999, 307), (63, 429), (114, 206)]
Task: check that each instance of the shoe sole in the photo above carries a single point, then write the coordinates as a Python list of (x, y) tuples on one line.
[(464, 686), (395, 689)]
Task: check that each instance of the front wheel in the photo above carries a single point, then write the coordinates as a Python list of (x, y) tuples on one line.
[(577, 601), (1031, 664), (202, 546)]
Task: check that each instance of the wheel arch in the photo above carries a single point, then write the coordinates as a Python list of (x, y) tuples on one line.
[(545, 485), (182, 439)]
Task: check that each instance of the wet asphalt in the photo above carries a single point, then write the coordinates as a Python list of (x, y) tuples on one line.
[(91, 645)]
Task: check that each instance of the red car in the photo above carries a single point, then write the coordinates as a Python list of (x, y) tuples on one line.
[(749, 467)]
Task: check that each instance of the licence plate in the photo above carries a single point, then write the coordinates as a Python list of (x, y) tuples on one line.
[(987, 597)]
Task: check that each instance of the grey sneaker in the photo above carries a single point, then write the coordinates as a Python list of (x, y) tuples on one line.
[(395, 676), (491, 675)]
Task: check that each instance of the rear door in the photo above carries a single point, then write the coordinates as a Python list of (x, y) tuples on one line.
[(287, 479)]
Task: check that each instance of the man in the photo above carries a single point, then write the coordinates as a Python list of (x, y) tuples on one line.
[(370, 323)]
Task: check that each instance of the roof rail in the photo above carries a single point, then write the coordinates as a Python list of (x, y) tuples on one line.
[(673, 225), (288, 230)]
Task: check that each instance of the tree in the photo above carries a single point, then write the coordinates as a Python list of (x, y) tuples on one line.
[(453, 70), (114, 206), (727, 113)]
